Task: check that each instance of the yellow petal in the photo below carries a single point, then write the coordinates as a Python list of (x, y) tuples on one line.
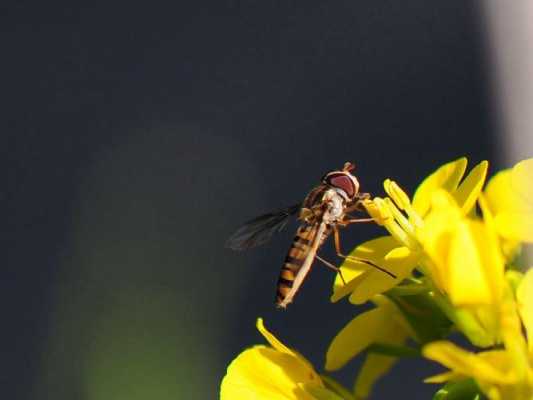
[(274, 342), (491, 250), (492, 259), (365, 281), (377, 365), (374, 367), (436, 235), (278, 345), (375, 248), (515, 226), (510, 199), (524, 297), (400, 261), (446, 177), (470, 188), (498, 193), (465, 258), (264, 373), (468, 283), (354, 338), (522, 181), (509, 247), (341, 290), (490, 366), (382, 324)]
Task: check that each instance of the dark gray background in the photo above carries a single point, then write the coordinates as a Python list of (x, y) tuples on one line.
[(136, 138)]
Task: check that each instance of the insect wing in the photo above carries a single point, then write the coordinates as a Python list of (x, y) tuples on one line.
[(260, 229)]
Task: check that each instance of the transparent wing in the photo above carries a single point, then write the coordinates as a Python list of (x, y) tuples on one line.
[(259, 230)]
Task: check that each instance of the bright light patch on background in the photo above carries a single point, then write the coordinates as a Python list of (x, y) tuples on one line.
[(143, 296), (510, 34)]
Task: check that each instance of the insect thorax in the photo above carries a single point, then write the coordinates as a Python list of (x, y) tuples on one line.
[(323, 204)]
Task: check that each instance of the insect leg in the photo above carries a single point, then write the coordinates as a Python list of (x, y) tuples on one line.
[(333, 267), (356, 220), (336, 237), (358, 205)]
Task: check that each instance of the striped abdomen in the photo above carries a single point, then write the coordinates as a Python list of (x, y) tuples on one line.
[(299, 251)]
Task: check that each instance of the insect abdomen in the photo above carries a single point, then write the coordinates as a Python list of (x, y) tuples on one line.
[(294, 260)]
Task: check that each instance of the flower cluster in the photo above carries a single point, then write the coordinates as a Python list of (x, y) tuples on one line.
[(453, 248)]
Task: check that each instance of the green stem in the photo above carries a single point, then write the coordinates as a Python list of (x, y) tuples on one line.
[(460, 390), (394, 350), (408, 290), (337, 387), (463, 320)]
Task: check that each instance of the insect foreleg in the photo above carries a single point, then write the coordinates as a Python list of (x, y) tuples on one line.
[(358, 205), (355, 220)]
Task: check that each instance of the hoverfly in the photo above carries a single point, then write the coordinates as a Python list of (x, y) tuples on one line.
[(325, 209)]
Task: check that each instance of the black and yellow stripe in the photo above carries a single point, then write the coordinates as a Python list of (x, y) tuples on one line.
[(294, 260)]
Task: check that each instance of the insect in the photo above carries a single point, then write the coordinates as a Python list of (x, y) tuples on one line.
[(324, 210)]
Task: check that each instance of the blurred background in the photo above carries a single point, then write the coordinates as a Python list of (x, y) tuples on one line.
[(135, 139)]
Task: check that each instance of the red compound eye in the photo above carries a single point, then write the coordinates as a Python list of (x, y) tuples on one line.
[(341, 181)]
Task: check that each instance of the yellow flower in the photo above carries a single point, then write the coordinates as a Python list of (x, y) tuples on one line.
[(505, 374), (383, 326), (463, 255), (465, 263), (509, 195), (273, 373), (403, 250), (438, 233)]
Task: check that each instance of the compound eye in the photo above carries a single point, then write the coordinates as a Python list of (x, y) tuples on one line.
[(341, 181)]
